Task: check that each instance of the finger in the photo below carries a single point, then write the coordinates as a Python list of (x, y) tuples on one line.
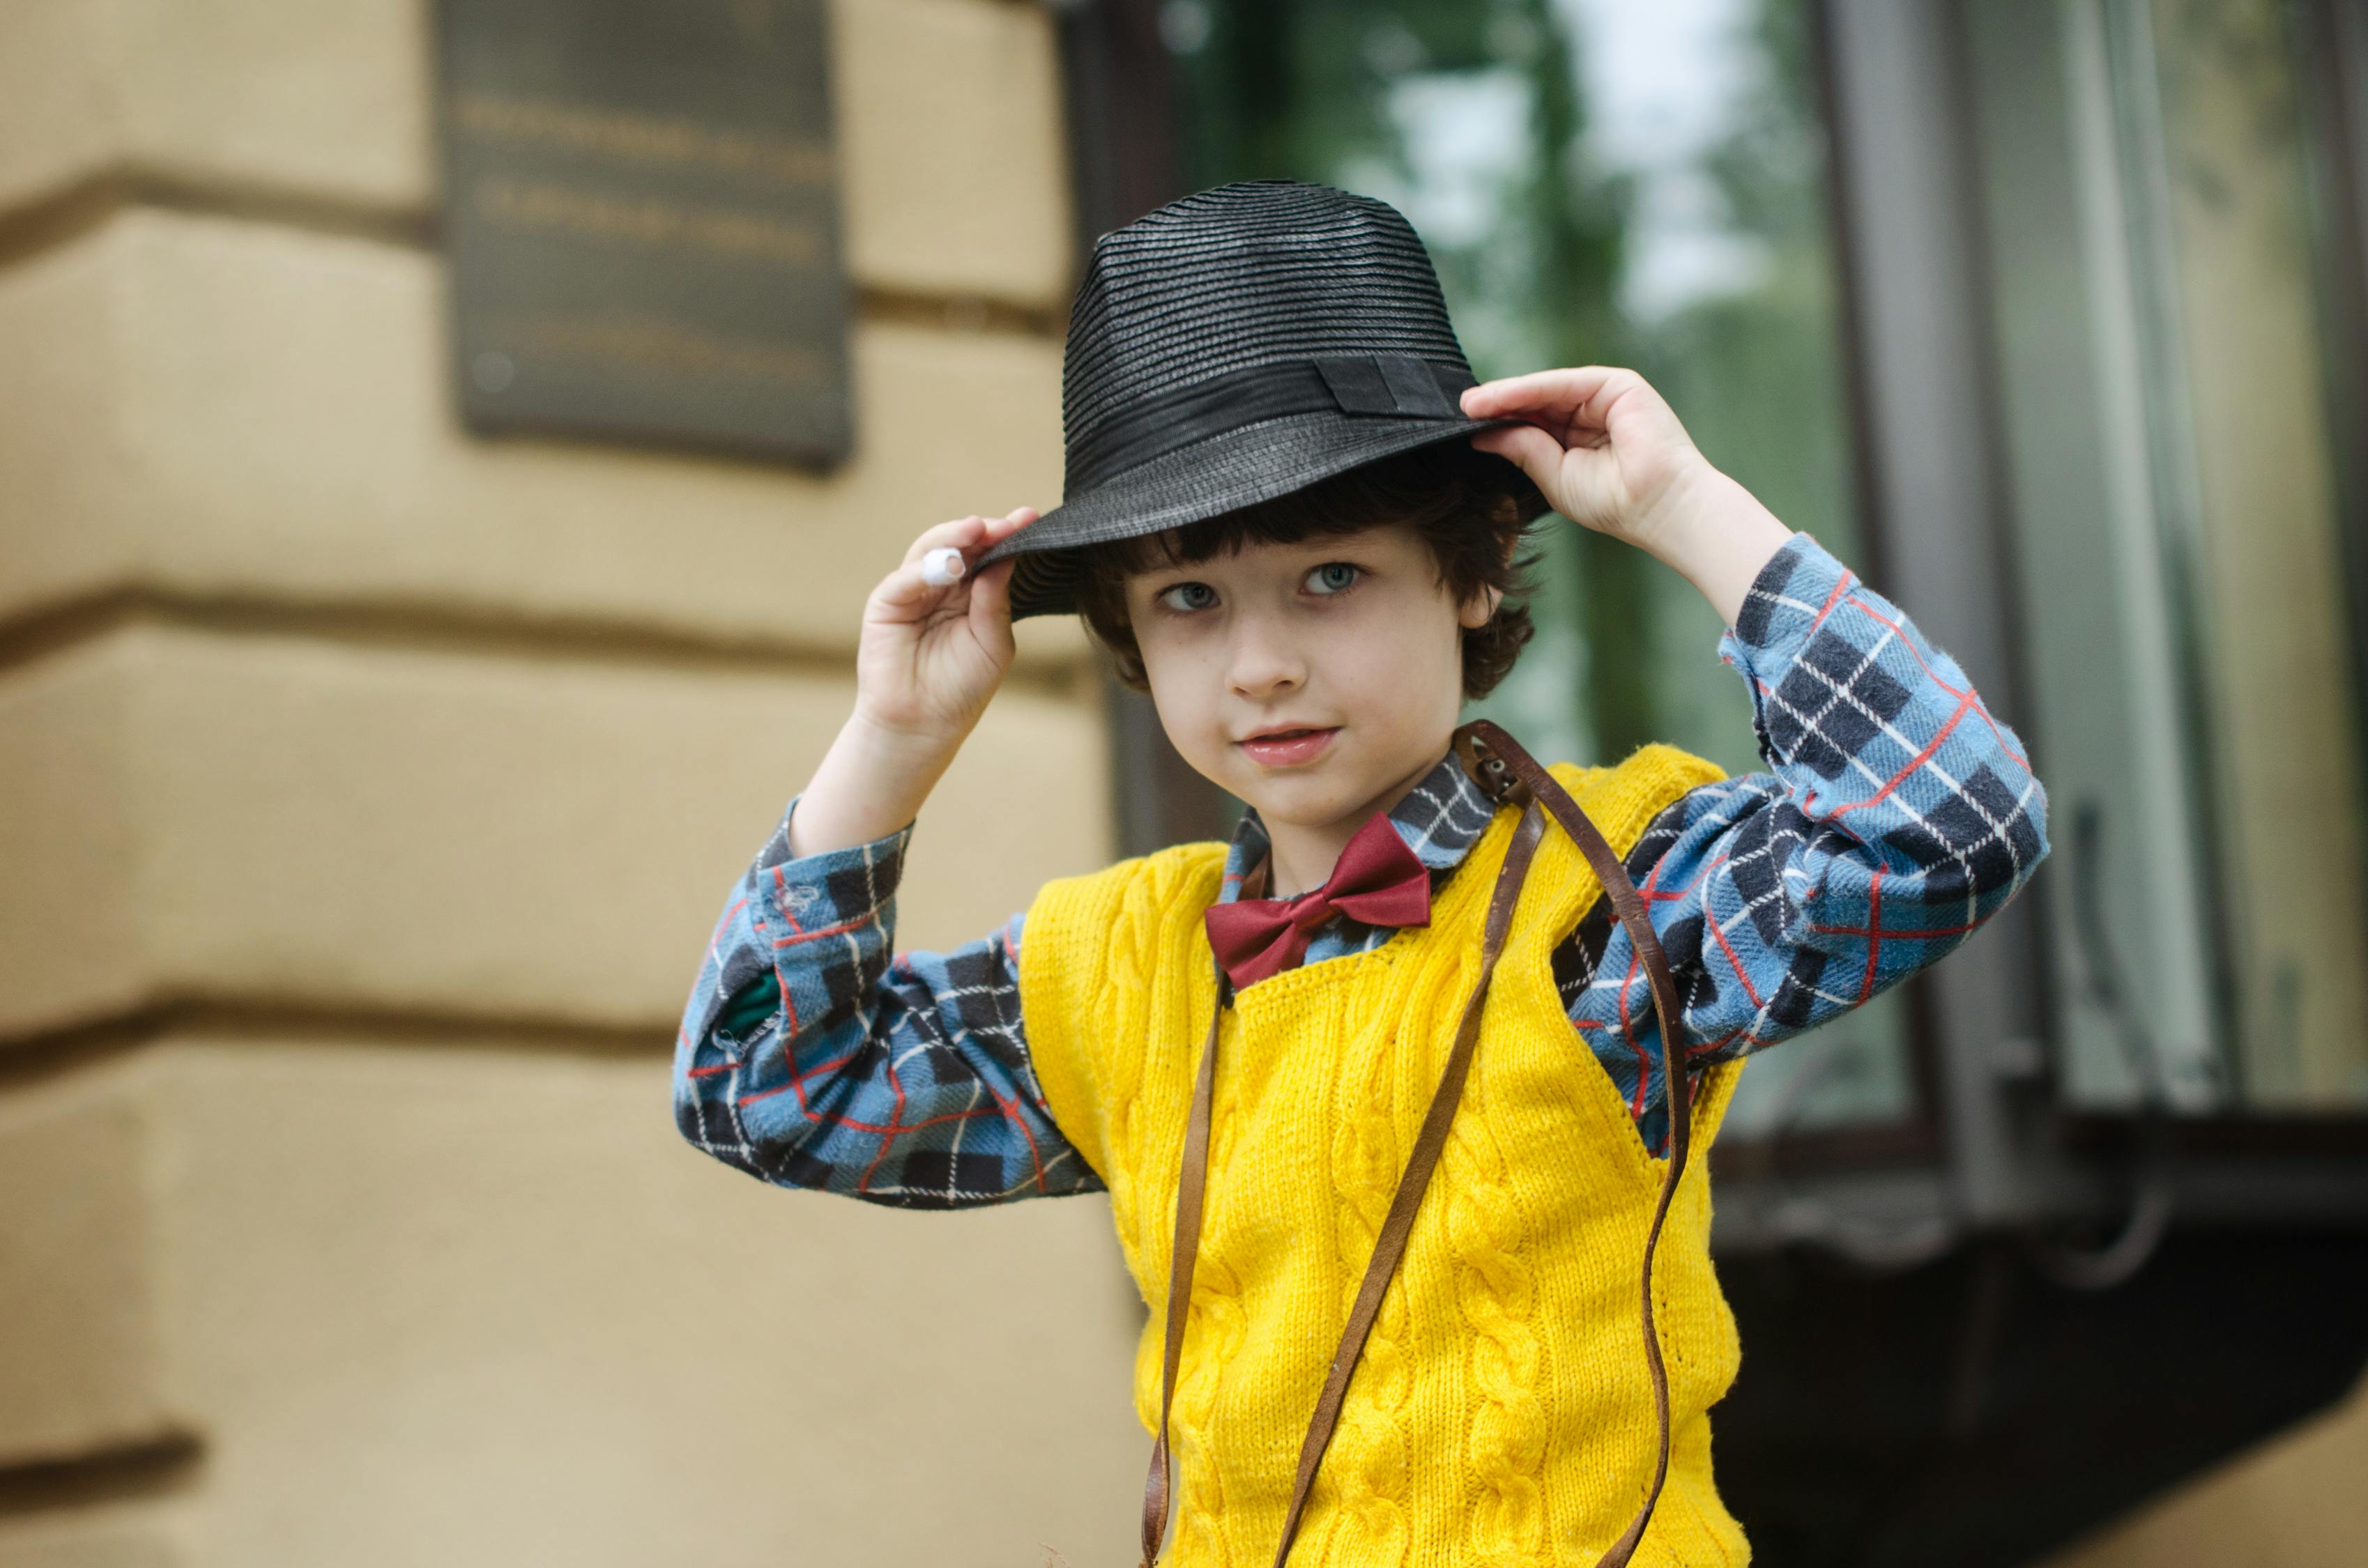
[(1011, 522), (973, 535), (963, 534), (943, 567), (1534, 451), (1548, 395), (907, 594)]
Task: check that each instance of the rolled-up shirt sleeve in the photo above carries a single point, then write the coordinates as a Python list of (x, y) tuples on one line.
[(1898, 813), (813, 1055)]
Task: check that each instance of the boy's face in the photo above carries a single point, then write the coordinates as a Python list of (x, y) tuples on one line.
[(1317, 681)]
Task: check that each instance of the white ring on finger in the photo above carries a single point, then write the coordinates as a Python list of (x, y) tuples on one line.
[(942, 567)]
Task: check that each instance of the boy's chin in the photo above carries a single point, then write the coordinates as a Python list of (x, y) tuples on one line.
[(1315, 799)]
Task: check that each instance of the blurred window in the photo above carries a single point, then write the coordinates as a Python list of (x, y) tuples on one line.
[(2160, 216), (1608, 182)]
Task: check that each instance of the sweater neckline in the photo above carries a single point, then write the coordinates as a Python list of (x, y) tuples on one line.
[(1451, 906), (1440, 819)]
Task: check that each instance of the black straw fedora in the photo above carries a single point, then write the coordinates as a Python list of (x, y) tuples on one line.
[(1236, 346)]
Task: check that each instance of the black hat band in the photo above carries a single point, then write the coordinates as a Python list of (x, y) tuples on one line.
[(1400, 386)]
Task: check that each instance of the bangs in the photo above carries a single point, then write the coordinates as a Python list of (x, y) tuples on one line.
[(1464, 502)]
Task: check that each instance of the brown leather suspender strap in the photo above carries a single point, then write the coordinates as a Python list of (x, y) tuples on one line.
[(1510, 775), (1398, 1223), (1493, 750), (1388, 1246), (1191, 1183)]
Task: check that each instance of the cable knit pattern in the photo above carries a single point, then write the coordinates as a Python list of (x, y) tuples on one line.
[(1201, 1522), (1498, 1296), (1501, 1412), (1370, 1464)]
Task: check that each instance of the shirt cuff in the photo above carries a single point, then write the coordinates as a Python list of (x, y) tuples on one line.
[(838, 887), (1793, 595)]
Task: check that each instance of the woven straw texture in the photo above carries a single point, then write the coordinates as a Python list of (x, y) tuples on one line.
[(1261, 273)]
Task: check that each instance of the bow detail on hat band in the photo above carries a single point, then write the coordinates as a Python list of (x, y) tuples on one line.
[(1377, 880), (1399, 386)]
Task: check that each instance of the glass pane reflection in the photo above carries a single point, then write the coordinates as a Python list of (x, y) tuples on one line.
[(2190, 636), (2282, 731)]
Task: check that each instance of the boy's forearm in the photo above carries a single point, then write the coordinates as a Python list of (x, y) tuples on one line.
[(871, 783), (1898, 814), (1717, 535), (813, 1055)]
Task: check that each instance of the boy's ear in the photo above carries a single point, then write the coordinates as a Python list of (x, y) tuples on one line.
[(1488, 598), (1479, 608)]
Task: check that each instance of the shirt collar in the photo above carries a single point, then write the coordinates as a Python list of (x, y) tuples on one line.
[(1441, 819)]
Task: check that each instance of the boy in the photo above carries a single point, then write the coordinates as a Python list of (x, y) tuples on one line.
[(1292, 517)]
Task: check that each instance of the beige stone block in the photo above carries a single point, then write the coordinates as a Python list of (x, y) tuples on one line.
[(467, 1305), (321, 99), (954, 162), (953, 149), (2295, 1502), (80, 1364), (91, 1538), (329, 101), (56, 113), (289, 820), (69, 850), (65, 487), (231, 409)]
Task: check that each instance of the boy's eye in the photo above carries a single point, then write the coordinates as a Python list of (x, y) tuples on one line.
[(1188, 596), (1332, 577)]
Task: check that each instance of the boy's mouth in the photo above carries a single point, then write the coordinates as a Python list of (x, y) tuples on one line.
[(1287, 748)]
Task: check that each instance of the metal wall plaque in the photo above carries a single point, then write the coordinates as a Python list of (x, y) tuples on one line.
[(641, 209)]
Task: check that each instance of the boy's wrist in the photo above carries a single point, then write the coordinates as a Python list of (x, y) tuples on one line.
[(1665, 528), (1715, 534), (871, 783), (811, 891), (921, 747)]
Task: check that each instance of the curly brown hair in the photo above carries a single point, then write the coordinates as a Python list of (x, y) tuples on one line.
[(1464, 502)]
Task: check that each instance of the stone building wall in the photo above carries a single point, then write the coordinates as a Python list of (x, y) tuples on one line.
[(367, 792)]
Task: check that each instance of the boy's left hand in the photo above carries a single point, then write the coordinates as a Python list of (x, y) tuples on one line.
[(1610, 455), (1608, 452)]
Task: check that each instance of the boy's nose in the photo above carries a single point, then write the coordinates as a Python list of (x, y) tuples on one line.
[(1263, 664)]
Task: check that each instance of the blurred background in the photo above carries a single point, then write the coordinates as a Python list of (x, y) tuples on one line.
[(444, 445)]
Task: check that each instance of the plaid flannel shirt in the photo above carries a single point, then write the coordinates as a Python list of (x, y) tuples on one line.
[(1898, 814)]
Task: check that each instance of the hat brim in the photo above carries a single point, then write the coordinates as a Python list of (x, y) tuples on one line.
[(1239, 468)]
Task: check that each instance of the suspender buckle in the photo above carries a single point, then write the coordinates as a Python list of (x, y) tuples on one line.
[(1488, 770)]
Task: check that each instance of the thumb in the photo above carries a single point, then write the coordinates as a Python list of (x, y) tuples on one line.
[(990, 605), (1530, 448), (905, 596)]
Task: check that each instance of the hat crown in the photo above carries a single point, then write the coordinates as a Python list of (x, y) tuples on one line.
[(1234, 347), (1241, 276)]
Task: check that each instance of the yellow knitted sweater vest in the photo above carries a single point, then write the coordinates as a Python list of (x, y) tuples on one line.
[(1501, 1413)]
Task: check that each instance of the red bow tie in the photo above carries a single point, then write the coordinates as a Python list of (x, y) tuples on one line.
[(1377, 880)]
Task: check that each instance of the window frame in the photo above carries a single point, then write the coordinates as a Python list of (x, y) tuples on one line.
[(1928, 405), (1987, 1147)]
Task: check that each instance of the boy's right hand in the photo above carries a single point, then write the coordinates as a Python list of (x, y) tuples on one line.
[(930, 658), (931, 655)]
